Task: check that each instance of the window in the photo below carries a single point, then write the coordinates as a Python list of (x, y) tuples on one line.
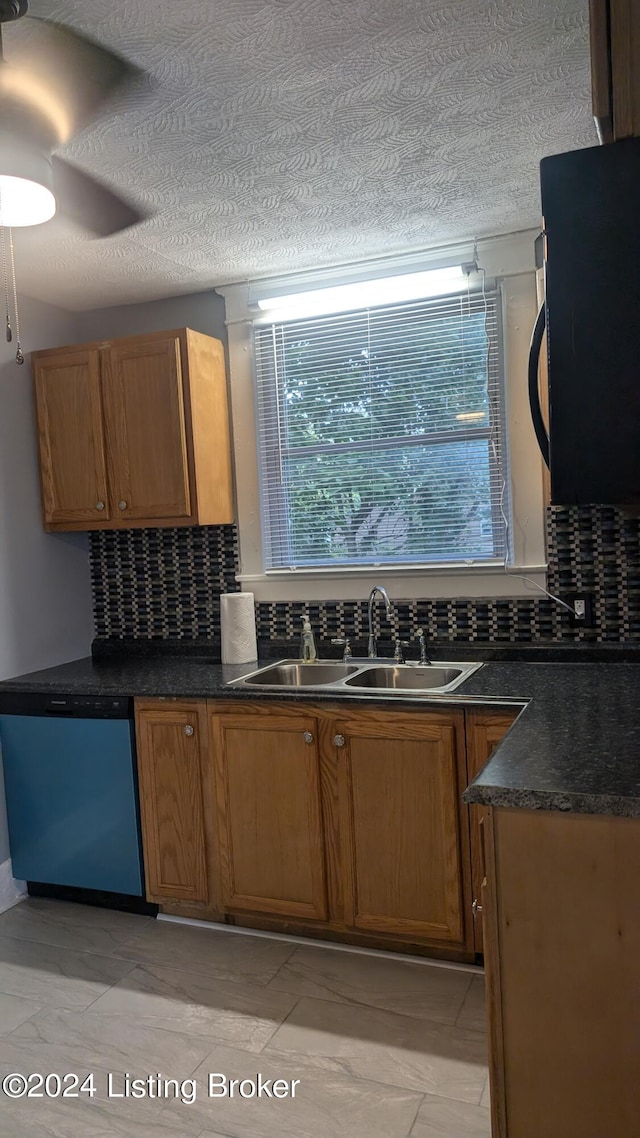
[(380, 435)]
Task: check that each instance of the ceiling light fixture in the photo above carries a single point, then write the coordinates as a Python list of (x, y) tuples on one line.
[(53, 83), (26, 184), (26, 198)]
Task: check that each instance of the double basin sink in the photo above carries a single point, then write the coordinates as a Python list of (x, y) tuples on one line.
[(365, 676)]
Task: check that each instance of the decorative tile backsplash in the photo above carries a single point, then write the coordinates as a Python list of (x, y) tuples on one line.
[(161, 583), (443, 620), (166, 583), (596, 549)]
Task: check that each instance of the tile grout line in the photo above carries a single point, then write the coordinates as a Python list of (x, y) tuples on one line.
[(331, 997), (464, 1000), (427, 1023), (277, 1029), (415, 1117), (88, 950), (8, 1034), (110, 988), (237, 977), (341, 1070), (279, 970)]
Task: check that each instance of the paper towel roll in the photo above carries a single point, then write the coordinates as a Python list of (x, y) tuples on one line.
[(238, 628)]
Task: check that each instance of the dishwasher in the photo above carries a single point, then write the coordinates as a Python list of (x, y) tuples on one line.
[(72, 795)]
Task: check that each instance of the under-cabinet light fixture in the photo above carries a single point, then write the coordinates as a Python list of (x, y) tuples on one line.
[(365, 294)]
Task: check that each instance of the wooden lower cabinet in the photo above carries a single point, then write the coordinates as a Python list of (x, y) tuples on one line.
[(484, 730), (349, 823), (562, 945), (172, 751), (320, 819), (399, 791), (269, 814)]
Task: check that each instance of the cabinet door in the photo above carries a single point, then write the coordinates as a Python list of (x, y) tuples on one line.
[(484, 730), (172, 747), (70, 438), (145, 425), (269, 814), (400, 794)]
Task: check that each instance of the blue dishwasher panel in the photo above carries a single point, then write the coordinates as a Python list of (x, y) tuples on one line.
[(71, 802)]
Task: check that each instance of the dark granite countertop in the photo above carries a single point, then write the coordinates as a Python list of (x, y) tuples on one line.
[(574, 747)]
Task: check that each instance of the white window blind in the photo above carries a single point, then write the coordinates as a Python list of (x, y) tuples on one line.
[(380, 435)]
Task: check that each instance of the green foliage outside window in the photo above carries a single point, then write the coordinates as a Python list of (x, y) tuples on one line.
[(387, 436)]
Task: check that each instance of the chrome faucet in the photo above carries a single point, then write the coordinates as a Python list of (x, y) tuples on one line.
[(372, 649), (420, 637)]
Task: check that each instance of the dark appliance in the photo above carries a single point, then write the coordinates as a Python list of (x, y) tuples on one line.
[(591, 212)]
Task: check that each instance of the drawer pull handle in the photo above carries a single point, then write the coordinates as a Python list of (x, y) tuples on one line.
[(475, 909), (99, 505), (338, 740), (122, 505), (307, 736), (188, 729)]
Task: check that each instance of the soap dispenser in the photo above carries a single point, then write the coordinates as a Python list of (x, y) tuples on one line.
[(307, 641)]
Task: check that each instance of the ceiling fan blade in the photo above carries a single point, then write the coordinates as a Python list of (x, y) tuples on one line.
[(64, 72), (89, 203)]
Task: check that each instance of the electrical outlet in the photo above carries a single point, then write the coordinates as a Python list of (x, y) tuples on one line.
[(581, 615)]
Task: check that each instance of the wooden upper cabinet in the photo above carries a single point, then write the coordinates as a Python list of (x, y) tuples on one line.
[(269, 813), (145, 428), (172, 757), (615, 73), (156, 406), (405, 869), (71, 439)]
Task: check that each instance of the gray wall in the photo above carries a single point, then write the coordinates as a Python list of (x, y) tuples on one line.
[(202, 311), (45, 596)]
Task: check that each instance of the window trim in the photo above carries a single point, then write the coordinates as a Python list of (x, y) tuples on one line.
[(509, 259)]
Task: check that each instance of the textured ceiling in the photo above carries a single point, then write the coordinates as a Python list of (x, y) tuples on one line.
[(288, 134)]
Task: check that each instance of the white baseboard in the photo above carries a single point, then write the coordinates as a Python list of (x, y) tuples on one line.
[(240, 930), (11, 891)]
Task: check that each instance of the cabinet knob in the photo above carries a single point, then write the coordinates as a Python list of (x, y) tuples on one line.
[(338, 740), (122, 505), (475, 909), (307, 736), (99, 505), (188, 729)]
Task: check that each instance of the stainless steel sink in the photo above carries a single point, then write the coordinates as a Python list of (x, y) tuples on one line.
[(293, 674), (406, 678), (361, 677)]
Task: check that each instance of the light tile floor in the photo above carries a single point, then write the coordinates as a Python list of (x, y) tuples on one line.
[(383, 1048)]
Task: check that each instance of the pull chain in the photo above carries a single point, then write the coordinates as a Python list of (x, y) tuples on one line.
[(8, 331), (19, 352), (5, 278)]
